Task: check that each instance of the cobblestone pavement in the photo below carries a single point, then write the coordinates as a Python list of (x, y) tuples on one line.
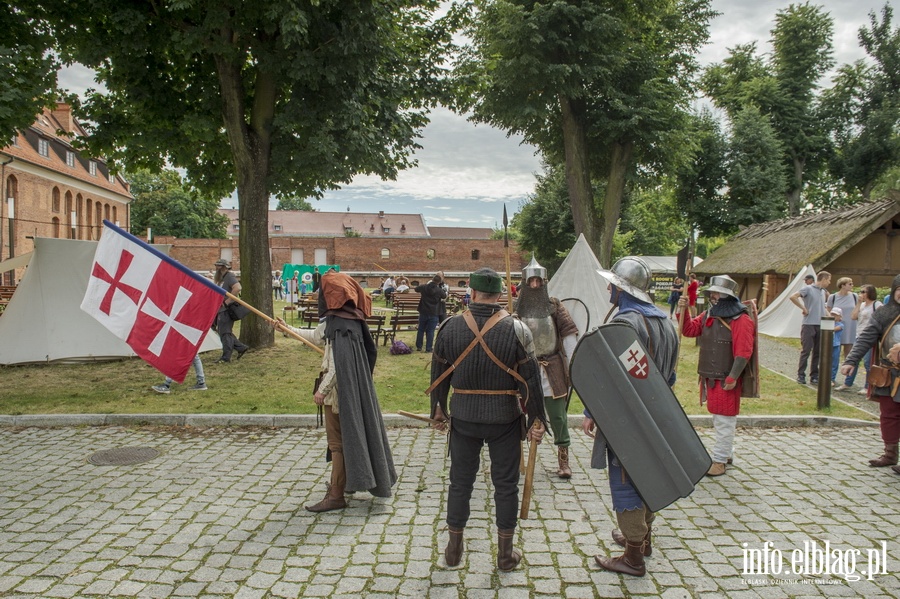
[(220, 514)]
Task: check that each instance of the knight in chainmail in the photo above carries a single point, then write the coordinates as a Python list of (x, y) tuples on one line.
[(882, 334), (555, 335), (629, 280), (727, 333), (487, 358)]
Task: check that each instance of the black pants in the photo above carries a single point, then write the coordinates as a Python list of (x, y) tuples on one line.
[(224, 326), (505, 449)]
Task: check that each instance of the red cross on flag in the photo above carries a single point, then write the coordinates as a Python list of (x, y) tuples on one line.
[(158, 307), (635, 360)]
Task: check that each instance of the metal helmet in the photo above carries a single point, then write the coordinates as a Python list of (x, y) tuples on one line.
[(533, 269), (631, 275), (723, 284)]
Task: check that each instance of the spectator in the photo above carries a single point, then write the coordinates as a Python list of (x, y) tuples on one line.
[(430, 296), (868, 303), (811, 300), (692, 294)]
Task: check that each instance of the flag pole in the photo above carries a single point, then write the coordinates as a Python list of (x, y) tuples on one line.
[(274, 322), (509, 298)]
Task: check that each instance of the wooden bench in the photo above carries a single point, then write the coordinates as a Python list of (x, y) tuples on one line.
[(397, 322), (376, 326), (6, 293), (406, 302), (374, 322)]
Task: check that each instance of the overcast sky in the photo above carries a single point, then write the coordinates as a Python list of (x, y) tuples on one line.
[(466, 172)]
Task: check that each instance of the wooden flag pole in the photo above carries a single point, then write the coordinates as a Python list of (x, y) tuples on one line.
[(274, 322)]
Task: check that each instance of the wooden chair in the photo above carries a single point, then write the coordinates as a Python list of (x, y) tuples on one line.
[(376, 326), (398, 321)]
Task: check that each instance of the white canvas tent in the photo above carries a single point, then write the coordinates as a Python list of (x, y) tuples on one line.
[(782, 318), (44, 322), (581, 288)]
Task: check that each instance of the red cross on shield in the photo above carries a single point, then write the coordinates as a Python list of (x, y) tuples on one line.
[(635, 360)]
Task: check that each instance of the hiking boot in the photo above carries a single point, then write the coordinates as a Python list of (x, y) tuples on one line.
[(801, 380), (888, 458), (199, 387), (813, 381), (164, 389)]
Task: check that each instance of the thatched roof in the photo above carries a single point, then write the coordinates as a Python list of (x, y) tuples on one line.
[(787, 245)]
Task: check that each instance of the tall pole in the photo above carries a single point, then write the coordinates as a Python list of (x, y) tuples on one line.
[(509, 302)]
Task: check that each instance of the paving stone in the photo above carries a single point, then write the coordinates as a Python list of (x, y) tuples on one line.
[(220, 515)]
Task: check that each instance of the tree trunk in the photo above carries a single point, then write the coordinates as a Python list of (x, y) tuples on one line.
[(796, 186), (578, 174), (251, 149), (620, 159)]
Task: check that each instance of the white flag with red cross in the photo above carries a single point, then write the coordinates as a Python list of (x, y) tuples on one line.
[(161, 309), (635, 360)]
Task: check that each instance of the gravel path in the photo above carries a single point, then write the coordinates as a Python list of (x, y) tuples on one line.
[(782, 358)]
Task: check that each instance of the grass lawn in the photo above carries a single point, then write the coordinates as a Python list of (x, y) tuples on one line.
[(279, 379)]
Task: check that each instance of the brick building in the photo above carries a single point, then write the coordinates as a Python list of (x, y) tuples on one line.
[(392, 243), (53, 190)]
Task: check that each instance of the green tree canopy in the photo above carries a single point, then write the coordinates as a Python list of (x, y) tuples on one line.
[(755, 171), (269, 97), (699, 179), (783, 88), (294, 203), (27, 70), (863, 107), (590, 83), (166, 206)]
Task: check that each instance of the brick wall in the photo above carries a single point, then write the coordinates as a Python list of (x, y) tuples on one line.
[(361, 254)]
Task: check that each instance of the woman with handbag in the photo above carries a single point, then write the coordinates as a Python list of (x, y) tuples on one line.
[(882, 338), (862, 314)]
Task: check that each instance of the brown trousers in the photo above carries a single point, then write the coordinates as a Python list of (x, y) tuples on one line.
[(333, 430)]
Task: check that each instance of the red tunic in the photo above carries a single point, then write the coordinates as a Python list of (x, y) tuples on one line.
[(743, 329)]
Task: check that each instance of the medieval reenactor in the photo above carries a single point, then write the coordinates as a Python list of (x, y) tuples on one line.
[(880, 336), (488, 360), (629, 281), (728, 364), (357, 443), (555, 334)]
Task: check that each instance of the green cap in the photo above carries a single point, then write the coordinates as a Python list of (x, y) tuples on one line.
[(486, 280)]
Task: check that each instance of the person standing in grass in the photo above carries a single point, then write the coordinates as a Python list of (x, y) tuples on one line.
[(198, 370)]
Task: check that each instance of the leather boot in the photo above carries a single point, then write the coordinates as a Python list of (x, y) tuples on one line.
[(507, 557), (564, 470), (619, 538), (454, 550), (631, 562), (334, 499), (889, 458)]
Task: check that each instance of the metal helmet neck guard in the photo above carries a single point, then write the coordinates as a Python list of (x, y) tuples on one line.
[(632, 275)]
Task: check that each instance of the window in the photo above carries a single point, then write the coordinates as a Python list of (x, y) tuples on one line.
[(55, 222), (430, 254), (476, 254), (92, 167), (386, 230), (385, 254), (70, 158), (277, 227), (54, 206), (112, 178), (43, 147), (235, 227), (296, 256)]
